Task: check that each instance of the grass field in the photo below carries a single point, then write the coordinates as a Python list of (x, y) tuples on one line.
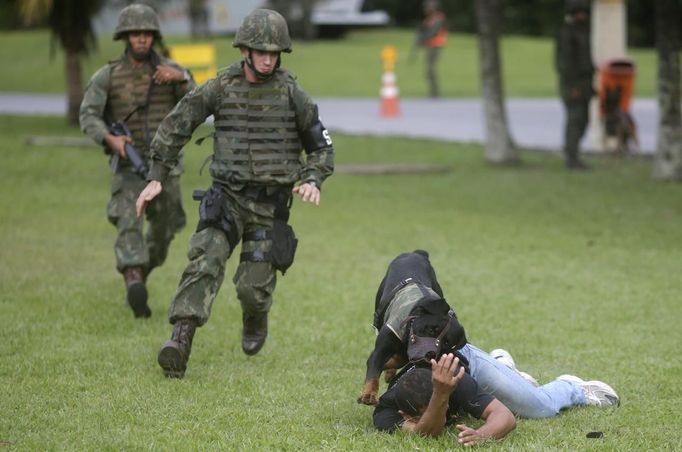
[(344, 68), (572, 273)]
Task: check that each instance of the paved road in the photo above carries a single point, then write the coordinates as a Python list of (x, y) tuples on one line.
[(534, 123)]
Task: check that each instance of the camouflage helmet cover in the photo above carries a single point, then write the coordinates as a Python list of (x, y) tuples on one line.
[(264, 29), (572, 6), (137, 17)]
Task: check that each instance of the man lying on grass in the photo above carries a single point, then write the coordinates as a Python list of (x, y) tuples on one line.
[(424, 401)]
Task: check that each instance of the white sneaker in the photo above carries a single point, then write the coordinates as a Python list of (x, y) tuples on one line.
[(505, 358), (597, 393)]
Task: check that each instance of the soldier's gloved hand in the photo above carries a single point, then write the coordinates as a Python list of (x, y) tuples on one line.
[(308, 192), (117, 143), (167, 74), (150, 192)]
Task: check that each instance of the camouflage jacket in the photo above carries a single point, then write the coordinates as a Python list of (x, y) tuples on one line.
[(177, 128), (573, 58), (96, 110)]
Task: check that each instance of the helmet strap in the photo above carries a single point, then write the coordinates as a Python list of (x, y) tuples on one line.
[(261, 75)]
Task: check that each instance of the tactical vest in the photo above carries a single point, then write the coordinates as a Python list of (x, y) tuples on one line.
[(128, 89), (256, 139), (403, 298), (441, 37)]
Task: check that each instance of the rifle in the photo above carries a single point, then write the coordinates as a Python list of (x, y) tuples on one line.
[(119, 128)]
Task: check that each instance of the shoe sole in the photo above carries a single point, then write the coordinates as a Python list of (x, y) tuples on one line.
[(171, 361), (137, 300)]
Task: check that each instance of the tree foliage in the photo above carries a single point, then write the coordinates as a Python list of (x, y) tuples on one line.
[(70, 23), (524, 17)]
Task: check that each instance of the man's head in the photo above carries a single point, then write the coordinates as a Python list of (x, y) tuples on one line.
[(577, 10), (262, 36), (138, 26), (413, 391), (431, 6)]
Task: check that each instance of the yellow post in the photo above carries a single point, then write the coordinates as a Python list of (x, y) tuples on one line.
[(388, 56), (199, 58)]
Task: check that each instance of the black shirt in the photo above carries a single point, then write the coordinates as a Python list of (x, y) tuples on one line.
[(467, 398)]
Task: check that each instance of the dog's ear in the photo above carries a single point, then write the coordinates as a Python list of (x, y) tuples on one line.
[(456, 336), (423, 253)]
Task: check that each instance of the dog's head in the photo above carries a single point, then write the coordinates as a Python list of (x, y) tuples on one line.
[(434, 328)]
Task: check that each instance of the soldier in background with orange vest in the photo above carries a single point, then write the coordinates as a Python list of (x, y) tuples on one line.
[(432, 34)]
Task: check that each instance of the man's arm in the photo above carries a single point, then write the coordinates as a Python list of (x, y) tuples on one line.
[(91, 115), (317, 144), (181, 78), (445, 376), (173, 133), (177, 127), (498, 422)]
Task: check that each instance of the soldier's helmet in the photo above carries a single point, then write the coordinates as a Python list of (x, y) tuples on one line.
[(137, 17), (572, 6), (264, 29)]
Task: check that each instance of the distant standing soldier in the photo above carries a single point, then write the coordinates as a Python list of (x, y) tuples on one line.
[(432, 34), (141, 88), (198, 19), (575, 68), (263, 120)]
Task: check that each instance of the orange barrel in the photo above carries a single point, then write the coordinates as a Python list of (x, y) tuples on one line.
[(617, 74)]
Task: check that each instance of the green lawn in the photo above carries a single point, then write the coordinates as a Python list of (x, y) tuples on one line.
[(344, 68), (570, 272)]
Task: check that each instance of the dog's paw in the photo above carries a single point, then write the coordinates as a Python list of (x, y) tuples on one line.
[(389, 374), (368, 399)]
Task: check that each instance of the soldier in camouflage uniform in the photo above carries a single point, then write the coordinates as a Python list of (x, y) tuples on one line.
[(575, 68), (263, 120), (144, 87), (432, 34)]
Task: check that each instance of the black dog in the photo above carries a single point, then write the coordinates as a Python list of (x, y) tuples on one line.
[(618, 124), (414, 321)]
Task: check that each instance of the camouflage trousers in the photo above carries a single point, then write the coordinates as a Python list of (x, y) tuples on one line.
[(432, 56), (577, 118), (208, 252), (164, 214)]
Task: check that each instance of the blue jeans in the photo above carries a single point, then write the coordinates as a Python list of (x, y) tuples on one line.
[(517, 394)]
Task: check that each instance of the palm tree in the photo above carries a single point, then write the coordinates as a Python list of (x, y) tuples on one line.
[(668, 163), (499, 147), (70, 22)]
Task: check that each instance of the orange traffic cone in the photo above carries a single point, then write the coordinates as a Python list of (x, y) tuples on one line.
[(389, 96), (389, 89)]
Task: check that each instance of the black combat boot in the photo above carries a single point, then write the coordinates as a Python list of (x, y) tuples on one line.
[(136, 291), (174, 354), (575, 164), (254, 332)]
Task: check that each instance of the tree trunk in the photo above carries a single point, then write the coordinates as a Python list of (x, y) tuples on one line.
[(498, 143), (74, 85), (668, 161)]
